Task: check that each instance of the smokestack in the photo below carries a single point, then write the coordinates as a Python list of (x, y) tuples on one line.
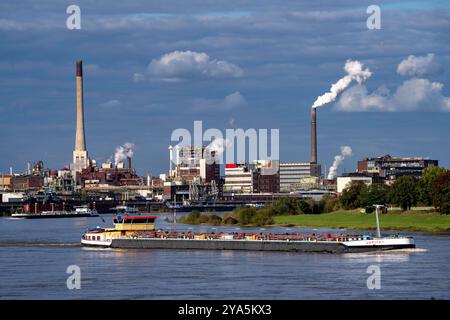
[(129, 162), (80, 157), (80, 143), (313, 136)]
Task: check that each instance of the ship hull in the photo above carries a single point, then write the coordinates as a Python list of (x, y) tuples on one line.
[(287, 246), (48, 216)]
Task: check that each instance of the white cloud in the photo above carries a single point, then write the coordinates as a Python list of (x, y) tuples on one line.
[(416, 94), (181, 65), (111, 104), (412, 95), (418, 66), (231, 101)]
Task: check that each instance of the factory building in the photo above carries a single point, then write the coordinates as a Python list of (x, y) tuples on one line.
[(389, 168), (194, 164), (239, 178), (291, 174), (194, 174), (27, 183), (261, 176), (108, 175)]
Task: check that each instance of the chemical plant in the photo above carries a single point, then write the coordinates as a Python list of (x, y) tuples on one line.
[(194, 178)]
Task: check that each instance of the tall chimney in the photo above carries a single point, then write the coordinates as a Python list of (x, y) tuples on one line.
[(313, 136), (129, 162), (80, 157)]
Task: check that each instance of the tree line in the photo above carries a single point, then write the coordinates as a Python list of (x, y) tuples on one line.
[(431, 189)]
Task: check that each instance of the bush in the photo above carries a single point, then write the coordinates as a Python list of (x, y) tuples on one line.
[(193, 217), (330, 203), (245, 214), (215, 220)]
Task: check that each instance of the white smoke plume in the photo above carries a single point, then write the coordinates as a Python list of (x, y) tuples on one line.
[(354, 71), (219, 145), (346, 151), (122, 152)]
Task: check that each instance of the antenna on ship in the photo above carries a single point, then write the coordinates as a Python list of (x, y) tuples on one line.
[(378, 206)]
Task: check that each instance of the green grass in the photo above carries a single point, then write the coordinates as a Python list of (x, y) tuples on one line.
[(411, 221)]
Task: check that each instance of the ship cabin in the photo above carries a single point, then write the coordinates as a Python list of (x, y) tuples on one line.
[(134, 223)]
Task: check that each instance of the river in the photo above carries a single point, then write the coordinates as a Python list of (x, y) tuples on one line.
[(39, 271)]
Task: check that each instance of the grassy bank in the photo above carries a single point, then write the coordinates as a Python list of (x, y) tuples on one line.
[(411, 221)]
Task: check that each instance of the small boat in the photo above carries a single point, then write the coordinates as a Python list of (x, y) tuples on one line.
[(125, 210), (85, 211)]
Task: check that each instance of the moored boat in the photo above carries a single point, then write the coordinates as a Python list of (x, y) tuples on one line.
[(80, 211)]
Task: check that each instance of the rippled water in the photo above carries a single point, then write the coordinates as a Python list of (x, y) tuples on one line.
[(39, 272)]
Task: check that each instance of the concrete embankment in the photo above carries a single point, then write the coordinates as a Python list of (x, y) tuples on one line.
[(310, 247)]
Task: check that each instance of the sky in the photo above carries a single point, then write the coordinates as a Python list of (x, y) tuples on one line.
[(151, 67)]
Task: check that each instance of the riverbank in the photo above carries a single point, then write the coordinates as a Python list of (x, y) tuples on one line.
[(401, 221)]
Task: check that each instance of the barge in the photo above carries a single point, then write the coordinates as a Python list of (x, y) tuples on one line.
[(81, 211), (138, 232)]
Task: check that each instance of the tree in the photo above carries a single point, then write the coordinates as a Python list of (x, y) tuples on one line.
[(429, 175), (349, 197), (404, 192), (288, 206), (377, 193), (441, 192)]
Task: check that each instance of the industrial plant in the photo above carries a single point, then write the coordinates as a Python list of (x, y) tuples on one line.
[(195, 178)]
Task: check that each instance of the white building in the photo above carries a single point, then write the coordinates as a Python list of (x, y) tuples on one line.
[(344, 182), (238, 178), (292, 172)]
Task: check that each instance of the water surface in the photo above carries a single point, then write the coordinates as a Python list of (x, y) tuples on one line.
[(30, 272)]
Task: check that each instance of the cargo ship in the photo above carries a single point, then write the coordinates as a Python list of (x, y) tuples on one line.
[(80, 211), (138, 232)]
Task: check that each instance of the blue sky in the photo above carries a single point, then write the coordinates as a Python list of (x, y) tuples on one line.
[(270, 58)]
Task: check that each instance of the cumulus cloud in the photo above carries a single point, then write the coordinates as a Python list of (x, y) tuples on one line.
[(412, 95), (232, 101), (418, 66), (415, 94), (182, 65)]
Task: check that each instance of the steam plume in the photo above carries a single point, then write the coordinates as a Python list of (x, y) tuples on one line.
[(219, 145), (122, 152), (345, 151), (354, 71)]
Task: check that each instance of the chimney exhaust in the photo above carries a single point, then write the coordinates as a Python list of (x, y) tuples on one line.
[(313, 136)]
